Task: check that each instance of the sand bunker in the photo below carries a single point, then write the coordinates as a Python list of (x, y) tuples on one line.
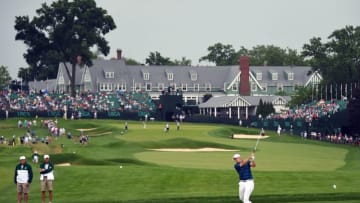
[(86, 129), (63, 164), (207, 149), (242, 136)]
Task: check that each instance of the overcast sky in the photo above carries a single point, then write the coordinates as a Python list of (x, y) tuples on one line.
[(178, 28)]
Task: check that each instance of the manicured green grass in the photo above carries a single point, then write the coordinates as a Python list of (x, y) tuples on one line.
[(118, 166)]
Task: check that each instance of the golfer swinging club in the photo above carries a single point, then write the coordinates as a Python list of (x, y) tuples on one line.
[(246, 184)]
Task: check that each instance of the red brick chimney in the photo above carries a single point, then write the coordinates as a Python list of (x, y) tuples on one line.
[(244, 89), (119, 52)]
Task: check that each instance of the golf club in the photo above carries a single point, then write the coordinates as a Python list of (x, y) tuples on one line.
[(257, 143)]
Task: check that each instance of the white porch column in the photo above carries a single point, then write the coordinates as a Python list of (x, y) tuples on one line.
[(215, 112), (247, 113), (229, 112), (210, 111), (238, 112)]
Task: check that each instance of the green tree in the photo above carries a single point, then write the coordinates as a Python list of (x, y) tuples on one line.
[(31, 73), (268, 55), (25, 74), (221, 55), (183, 62), (5, 77), (353, 109), (260, 55), (155, 58), (338, 60), (64, 32), (302, 95), (130, 61), (260, 108)]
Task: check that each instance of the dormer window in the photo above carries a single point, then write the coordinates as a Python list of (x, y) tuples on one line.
[(170, 76), (193, 75), (274, 76), (258, 76), (290, 76), (109, 74), (146, 76)]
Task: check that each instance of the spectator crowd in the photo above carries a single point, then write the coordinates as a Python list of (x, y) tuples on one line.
[(84, 102), (313, 110)]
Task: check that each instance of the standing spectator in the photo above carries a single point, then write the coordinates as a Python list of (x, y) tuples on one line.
[(177, 125), (22, 178), (167, 127), (19, 124), (126, 126), (35, 157), (262, 133), (46, 178), (279, 130)]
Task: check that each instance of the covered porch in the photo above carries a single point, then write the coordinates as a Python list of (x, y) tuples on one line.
[(227, 106)]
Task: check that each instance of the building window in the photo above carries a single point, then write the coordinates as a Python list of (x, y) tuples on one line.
[(109, 87), (280, 87), (160, 87), (274, 76), (207, 87), (173, 86), (170, 76), (184, 87), (264, 86), (148, 86), (137, 86), (122, 87), (146, 76), (290, 76), (253, 87), (234, 87), (258, 76), (196, 87)]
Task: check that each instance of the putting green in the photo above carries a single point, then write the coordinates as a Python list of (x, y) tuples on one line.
[(283, 157)]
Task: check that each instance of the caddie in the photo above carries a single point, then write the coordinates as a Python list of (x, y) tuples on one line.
[(23, 178), (47, 178)]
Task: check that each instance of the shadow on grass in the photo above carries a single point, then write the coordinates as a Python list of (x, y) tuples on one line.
[(329, 197), (75, 159), (183, 143)]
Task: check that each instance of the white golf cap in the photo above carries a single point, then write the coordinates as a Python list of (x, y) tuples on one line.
[(46, 156), (236, 156), (22, 158)]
